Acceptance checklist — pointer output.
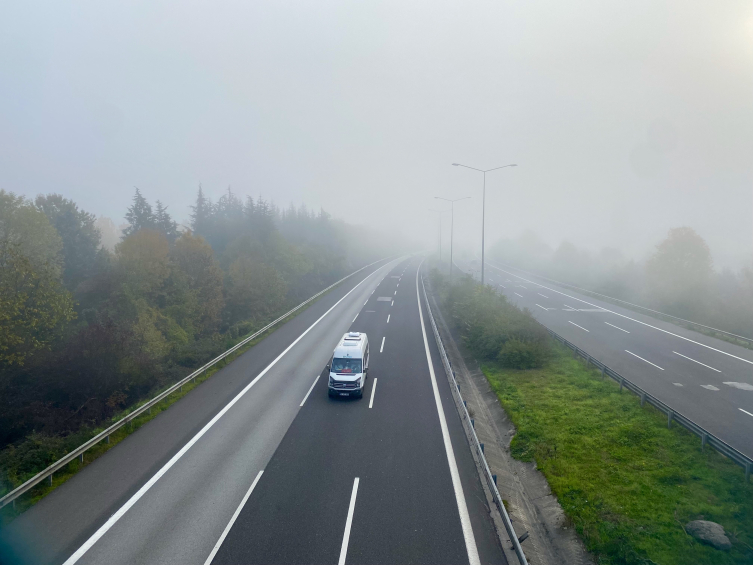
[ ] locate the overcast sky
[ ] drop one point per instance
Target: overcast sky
(625, 118)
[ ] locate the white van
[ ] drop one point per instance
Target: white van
(349, 365)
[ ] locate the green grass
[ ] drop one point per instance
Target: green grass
(627, 483)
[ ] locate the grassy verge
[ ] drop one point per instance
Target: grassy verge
(40, 451)
(627, 483)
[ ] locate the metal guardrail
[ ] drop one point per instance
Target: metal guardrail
(671, 318)
(707, 438)
(105, 435)
(473, 438)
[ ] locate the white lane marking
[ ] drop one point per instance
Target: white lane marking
(544, 295)
(382, 348)
(607, 323)
(521, 286)
(365, 303)
(518, 294)
(395, 292)
(388, 318)
(393, 302)
(634, 320)
(373, 390)
(540, 306)
(354, 319)
(694, 361)
(348, 524)
(709, 387)
(166, 467)
(741, 386)
(372, 292)
(677, 384)
(581, 327)
(398, 285)
(503, 286)
(232, 520)
(642, 359)
(748, 413)
(571, 308)
(309, 392)
(465, 520)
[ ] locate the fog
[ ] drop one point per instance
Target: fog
(626, 119)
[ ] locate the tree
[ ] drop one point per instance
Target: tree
(195, 260)
(201, 216)
(679, 272)
(139, 215)
(165, 224)
(79, 234)
(24, 225)
(33, 305)
(142, 260)
(255, 290)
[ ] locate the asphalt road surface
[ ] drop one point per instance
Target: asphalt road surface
(259, 465)
(707, 380)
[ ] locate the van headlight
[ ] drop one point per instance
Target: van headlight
(331, 381)
(358, 381)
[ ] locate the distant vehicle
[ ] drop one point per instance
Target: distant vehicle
(349, 366)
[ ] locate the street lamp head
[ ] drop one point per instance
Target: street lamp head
(455, 164)
(513, 165)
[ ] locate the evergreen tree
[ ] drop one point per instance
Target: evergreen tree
(164, 223)
(201, 216)
(139, 215)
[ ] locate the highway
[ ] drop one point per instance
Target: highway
(259, 465)
(707, 380)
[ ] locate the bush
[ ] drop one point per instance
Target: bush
(517, 354)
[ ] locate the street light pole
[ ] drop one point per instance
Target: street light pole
(483, 207)
(440, 212)
(452, 223)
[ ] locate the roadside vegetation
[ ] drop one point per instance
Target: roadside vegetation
(679, 278)
(89, 332)
(626, 482)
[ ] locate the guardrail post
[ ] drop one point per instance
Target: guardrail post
(465, 404)
(482, 447)
(81, 457)
(669, 418)
(473, 423)
(494, 478)
(107, 439)
(643, 398)
(747, 471)
(704, 438)
(150, 411)
(575, 352)
(622, 382)
(603, 370)
(49, 479)
(588, 359)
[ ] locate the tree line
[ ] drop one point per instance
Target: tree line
(85, 332)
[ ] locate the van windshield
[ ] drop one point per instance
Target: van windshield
(340, 365)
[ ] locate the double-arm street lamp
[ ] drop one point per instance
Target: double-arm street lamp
(452, 222)
(483, 206)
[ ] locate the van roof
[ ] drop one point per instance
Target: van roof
(352, 344)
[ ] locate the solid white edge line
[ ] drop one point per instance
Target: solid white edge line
(348, 523)
(619, 328)
(382, 348)
(581, 327)
(646, 360)
(312, 388)
(232, 520)
(748, 413)
(465, 520)
(388, 318)
(166, 467)
(632, 319)
(373, 389)
(694, 361)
